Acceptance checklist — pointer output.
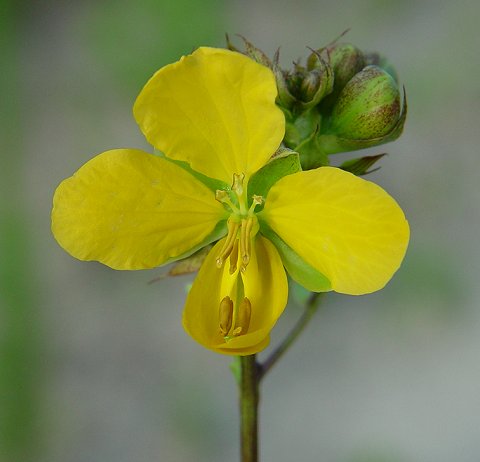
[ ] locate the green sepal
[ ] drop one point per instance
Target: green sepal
(210, 183)
(361, 165)
(299, 128)
(311, 153)
(285, 162)
(299, 270)
(255, 53)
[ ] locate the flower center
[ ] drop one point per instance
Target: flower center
(242, 225)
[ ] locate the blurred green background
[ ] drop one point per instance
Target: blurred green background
(94, 364)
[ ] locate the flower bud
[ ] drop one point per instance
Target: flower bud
(367, 113)
(345, 61)
(309, 87)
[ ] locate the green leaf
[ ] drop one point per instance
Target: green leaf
(361, 165)
(284, 163)
(300, 271)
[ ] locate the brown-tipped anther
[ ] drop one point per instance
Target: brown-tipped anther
(234, 258)
(244, 315)
(225, 315)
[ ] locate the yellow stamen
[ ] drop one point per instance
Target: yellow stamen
(228, 245)
(225, 315)
(223, 197)
(237, 185)
(257, 200)
(245, 242)
(244, 314)
(234, 258)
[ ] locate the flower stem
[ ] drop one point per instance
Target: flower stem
(310, 308)
(249, 397)
(251, 372)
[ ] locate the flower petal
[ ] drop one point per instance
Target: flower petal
(214, 109)
(347, 228)
(264, 283)
(132, 210)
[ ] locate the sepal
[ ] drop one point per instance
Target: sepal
(285, 162)
(300, 271)
(361, 165)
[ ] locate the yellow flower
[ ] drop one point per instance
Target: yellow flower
(214, 117)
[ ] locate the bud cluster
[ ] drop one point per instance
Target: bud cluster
(341, 100)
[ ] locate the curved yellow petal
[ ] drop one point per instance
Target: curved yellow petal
(132, 210)
(264, 283)
(347, 228)
(214, 109)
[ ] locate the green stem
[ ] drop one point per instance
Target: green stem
(249, 397)
(310, 309)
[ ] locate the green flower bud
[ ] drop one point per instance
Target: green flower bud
(367, 113)
(368, 106)
(308, 87)
(345, 60)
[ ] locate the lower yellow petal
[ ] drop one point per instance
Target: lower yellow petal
(132, 210)
(264, 283)
(347, 228)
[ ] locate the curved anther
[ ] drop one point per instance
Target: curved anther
(245, 241)
(234, 258)
(244, 314)
(225, 315)
(229, 243)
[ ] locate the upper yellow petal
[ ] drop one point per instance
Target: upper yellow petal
(347, 228)
(132, 210)
(264, 283)
(214, 109)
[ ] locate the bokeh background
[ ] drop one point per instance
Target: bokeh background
(94, 364)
